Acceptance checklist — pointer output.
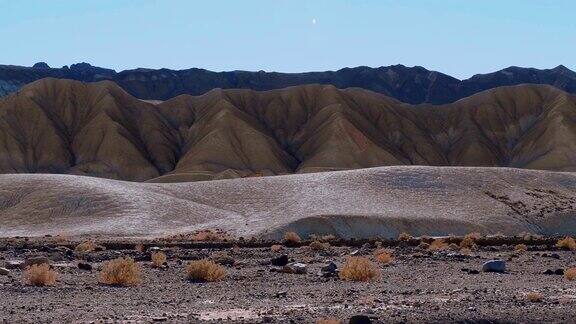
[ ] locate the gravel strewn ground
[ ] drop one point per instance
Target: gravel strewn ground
(417, 287)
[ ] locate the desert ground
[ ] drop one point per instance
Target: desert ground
(375, 202)
(418, 285)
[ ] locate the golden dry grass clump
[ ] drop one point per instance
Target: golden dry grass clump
(567, 243)
(404, 237)
(120, 272)
(40, 275)
(86, 246)
(158, 259)
(62, 238)
(359, 269)
(210, 236)
(205, 270)
(322, 238)
(319, 246)
(383, 256)
(534, 297)
(292, 238)
(423, 246)
(474, 236)
(438, 245)
(520, 248)
(570, 274)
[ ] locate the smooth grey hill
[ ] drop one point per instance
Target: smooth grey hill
(413, 85)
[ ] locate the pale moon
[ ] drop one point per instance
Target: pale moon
(313, 21)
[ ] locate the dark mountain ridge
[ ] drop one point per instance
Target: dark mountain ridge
(412, 85)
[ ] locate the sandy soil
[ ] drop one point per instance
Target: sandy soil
(381, 202)
(418, 286)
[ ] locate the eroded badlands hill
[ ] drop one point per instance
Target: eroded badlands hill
(97, 129)
(375, 202)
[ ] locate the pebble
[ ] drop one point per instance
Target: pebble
(296, 268)
(360, 319)
(224, 260)
(329, 270)
(280, 261)
(494, 266)
(85, 266)
(4, 272)
(35, 261)
(14, 264)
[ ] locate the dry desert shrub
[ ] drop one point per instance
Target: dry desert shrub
(453, 247)
(205, 270)
(383, 256)
(359, 269)
(423, 246)
(291, 238)
(210, 236)
(404, 237)
(322, 238)
(473, 236)
(468, 243)
(534, 297)
(567, 243)
(40, 275)
(438, 245)
(570, 274)
(158, 259)
(62, 238)
(328, 321)
(276, 248)
(520, 248)
(319, 246)
(86, 246)
(120, 272)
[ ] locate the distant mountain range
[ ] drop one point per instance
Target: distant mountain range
(412, 85)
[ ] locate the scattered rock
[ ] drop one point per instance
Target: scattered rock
(224, 259)
(154, 249)
(559, 272)
(360, 319)
(280, 261)
(555, 256)
(4, 272)
(329, 270)
(355, 252)
(35, 261)
(281, 294)
(494, 266)
(295, 268)
(330, 267)
(85, 266)
(14, 264)
(548, 272)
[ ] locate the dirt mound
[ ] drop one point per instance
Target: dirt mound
(97, 129)
(359, 203)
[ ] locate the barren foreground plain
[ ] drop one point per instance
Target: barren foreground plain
(442, 284)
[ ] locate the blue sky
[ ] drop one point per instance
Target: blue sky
(460, 38)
